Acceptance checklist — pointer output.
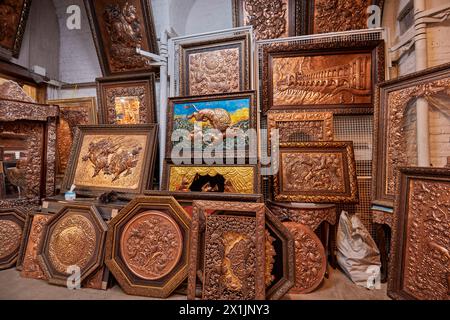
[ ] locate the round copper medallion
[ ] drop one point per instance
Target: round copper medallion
(310, 259)
(10, 237)
(151, 245)
(72, 243)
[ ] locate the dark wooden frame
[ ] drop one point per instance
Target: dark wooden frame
(187, 198)
(205, 98)
(149, 32)
(108, 88)
(400, 232)
(293, 49)
(20, 30)
(240, 41)
(130, 283)
(417, 83)
(17, 216)
(348, 158)
(149, 154)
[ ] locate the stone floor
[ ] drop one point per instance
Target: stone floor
(12, 286)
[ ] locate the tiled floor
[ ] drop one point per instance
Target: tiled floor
(12, 286)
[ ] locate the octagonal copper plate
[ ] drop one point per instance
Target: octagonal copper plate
(310, 258)
(151, 245)
(12, 222)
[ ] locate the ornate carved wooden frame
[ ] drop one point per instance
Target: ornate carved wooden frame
(202, 210)
(350, 185)
(242, 42)
(289, 48)
(392, 99)
(12, 223)
(145, 15)
(19, 29)
(131, 283)
(255, 180)
(78, 217)
(414, 227)
(140, 85)
(188, 197)
(205, 98)
(150, 130)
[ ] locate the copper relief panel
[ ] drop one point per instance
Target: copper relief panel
(13, 18)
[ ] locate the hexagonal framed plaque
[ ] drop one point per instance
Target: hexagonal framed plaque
(147, 246)
(73, 238)
(12, 222)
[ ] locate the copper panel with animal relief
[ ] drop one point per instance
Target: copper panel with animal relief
(316, 172)
(105, 158)
(419, 268)
(119, 28)
(12, 222)
(213, 67)
(13, 19)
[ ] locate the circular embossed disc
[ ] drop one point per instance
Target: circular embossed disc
(10, 236)
(310, 259)
(151, 245)
(72, 243)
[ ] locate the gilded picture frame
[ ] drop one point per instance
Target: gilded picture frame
(418, 265)
(102, 151)
(14, 16)
(215, 66)
(319, 172)
(127, 99)
(394, 99)
(293, 73)
(118, 28)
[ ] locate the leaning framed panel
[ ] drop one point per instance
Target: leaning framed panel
(395, 101)
(118, 28)
(127, 99)
(147, 246)
(218, 122)
(13, 19)
(73, 239)
(337, 75)
(320, 172)
(215, 66)
(419, 264)
(12, 223)
(234, 235)
(111, 157)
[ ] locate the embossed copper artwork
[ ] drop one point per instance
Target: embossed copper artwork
(74, 237)
(147, 246)
(105, 158)
(396, 97)
(213, 67)
(160, 240)
(30, 264)
(310, 258)
(12, 223)
(307, 76)
(316, 172)
(419, 266)
(204, 178)
(13, 19)
(127, 99)
(234, 261)
(118, 28)
(301, 126)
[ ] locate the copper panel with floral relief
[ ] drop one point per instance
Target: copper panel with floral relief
(12, 222)
(127, 99)
(147, 246)
(316, 172)
(73, 240)
(13, 19)
(118, 28)
(213, 67)
(419, 268)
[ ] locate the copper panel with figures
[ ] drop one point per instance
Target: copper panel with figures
(12, 222)
(419, 265)
(316, 172)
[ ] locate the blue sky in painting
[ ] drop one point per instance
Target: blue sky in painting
(229, 105)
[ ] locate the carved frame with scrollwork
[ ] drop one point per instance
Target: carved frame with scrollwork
(16, 217)
(349, 182)
(409, 231)
(140, 85)
(20, 25)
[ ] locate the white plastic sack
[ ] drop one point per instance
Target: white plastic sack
(357, 253)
